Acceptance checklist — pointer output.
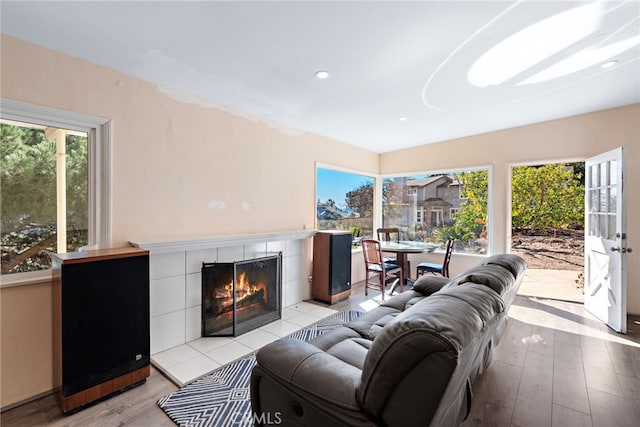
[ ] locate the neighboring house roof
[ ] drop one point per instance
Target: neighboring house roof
(424, 181)
(435, 201)
(448, 180)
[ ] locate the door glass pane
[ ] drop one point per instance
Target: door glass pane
(593, 225)
(593, 200)
(603, 174)
(613, 172)
(602, 225)
(593, 175)
(612, 199)
(603, 201)
(611, 231)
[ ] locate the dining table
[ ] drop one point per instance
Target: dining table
(402, 249)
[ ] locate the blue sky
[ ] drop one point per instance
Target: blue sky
(333, 184)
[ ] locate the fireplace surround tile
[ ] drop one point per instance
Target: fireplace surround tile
(256, 250)
(228, 352)
(193, 317)
(230, 254)
(167, 295)
(166, 265)
(256, 338)
(194, 289)
(170, 260)
(186, 371)
(167, 331)
(195, 258)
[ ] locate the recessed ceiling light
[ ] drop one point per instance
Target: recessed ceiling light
(403, 119)
(322, 75)
(609, 64)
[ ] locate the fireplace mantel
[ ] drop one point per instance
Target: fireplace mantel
(197, 243)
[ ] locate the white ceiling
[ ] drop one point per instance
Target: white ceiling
(386, 59)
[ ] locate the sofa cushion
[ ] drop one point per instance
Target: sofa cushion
(352, 351)
(511, 262)
(428, 284)
(370, 323)
(331, 338)
(484, 300)
(402, 301)
(496, 277)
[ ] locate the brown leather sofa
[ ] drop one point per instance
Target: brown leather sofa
(409, 362)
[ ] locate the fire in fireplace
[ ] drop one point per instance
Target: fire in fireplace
(240, 296)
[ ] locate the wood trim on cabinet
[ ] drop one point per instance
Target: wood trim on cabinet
(92, 394)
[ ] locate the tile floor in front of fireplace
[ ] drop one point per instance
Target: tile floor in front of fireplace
(190, 361)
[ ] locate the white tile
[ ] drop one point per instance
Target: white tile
(231, 254)
(207, 344)
(194, 289)
(322, 312)
(281, 328)
(279, 246)
(257, 250)
(293, 267)
(228, 352)
(295, 247)
(294, 292)
(166, 265)
(193, 323)
(288, 313)
(302, 307)
(256, 338)
(167, 331)
(166, 295)
(175, 355)
(194, 259)
(303, 319)
(193, 369)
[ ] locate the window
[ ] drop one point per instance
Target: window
(450, 205)
(344, 202)
(54, 188)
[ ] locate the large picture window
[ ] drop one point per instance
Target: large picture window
(438, 207)
(344, 201)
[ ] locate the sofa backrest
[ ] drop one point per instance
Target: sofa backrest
(431, 340)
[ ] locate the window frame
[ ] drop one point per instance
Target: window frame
(98, 131)
(377, 193)
(490, 195)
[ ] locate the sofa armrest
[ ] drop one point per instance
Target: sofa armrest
(305, 367)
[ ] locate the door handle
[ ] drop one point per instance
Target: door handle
(621, 250)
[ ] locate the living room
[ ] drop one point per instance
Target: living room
(174, 159)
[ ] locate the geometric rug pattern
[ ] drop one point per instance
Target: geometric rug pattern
(221, 398)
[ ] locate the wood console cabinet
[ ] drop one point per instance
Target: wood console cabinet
(331, 276)
(101, 341)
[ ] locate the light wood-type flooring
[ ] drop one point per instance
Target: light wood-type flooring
(555, 366)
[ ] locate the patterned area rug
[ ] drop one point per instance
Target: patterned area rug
(222, 397)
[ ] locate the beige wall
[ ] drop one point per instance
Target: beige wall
(170, 159)
(572, 138)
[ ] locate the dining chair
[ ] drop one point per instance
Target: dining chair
(390, 234)
(378, 273)
(434, 268)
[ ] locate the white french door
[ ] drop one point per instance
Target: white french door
(605, 292)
